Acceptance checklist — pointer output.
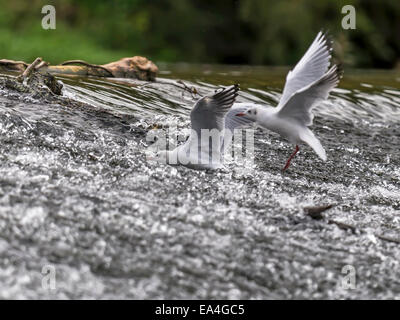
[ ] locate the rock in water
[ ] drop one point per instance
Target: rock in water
(41, 83)
(51, 82)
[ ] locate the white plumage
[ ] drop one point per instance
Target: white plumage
(307, 84)
(204, 147)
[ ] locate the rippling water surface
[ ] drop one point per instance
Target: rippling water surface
(77, 194)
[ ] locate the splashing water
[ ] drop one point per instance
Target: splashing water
(77, 193)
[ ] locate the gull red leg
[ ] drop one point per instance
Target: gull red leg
(291, 157)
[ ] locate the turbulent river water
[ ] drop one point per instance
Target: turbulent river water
(84, 214)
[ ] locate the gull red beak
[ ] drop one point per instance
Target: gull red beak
(241, 114)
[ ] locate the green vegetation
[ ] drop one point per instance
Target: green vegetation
(224, 31)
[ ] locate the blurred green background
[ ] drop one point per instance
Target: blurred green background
(257, 32)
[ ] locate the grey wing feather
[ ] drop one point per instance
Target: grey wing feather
(311, 67)
(209, 112)
(300, 104)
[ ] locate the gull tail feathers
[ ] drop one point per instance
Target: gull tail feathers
(308, 137)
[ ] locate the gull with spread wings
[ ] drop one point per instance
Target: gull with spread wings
(211, 122)
(306, 85)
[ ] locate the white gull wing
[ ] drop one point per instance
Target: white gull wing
(308, 137)
(309, 69)
(298, 107)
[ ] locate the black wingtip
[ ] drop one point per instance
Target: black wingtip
(228, 94)
(235, 86)
(339, 70)
(328, 39)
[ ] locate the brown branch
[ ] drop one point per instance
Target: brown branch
(192, 90)
(12, 62)
(28, 71)
(86, 64)
(42, 64)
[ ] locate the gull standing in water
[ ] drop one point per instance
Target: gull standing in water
(307, 84)
(204, 147)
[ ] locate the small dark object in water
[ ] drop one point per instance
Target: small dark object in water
(388, 239)
(343, 226)
(316, 212)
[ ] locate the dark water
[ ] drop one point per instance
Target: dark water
(77, 194)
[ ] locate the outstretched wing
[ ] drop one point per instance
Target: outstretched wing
(209, 112)
(298, 107)
(312, 66)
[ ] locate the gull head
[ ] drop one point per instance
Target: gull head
(162, 156)
(251, 113)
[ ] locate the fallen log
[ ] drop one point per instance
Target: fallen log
(135, 67)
